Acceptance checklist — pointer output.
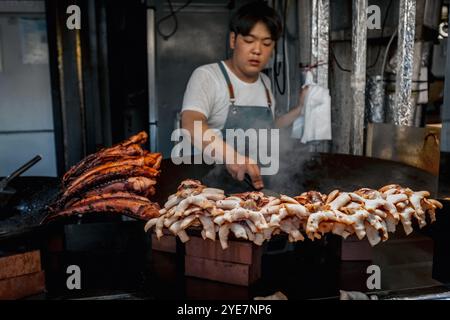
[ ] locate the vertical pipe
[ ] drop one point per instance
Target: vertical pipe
(304, 31)
(358, 76)
(54, 45)
(445, 118)
(444, 167)
(320, 45)
(80, 87)
(104, 75)
(404, 109)
(151, 58)
(320, 29)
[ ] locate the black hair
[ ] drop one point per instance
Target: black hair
(250, 14)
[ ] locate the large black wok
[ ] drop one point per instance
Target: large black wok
(303, 172)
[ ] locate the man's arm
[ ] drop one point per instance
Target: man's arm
(288, 118)
(237, 171)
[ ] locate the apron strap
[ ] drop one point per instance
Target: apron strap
(269, 100)
(231, 90)
(229, 85)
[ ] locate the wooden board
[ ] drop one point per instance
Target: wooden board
(238, 251)
(353, 249)
(240, 264)
(227, 272)
(167, 243)
(20, 264)
(22, 286)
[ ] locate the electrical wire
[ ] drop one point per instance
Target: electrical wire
(173, 13)
(382, 34)
(288, 80)
(379, 47)
(337, 62)
(383, 65)
(277, 71)
(275, 59)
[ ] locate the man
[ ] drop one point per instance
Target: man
(234, 94)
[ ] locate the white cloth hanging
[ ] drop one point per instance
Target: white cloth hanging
(314, 124)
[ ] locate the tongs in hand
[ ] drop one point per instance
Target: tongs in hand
(267, 192)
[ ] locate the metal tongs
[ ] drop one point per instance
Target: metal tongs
(6, 193)
(267, 192)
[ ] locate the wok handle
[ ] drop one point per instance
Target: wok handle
(23, 168)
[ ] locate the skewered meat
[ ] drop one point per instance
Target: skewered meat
(189, 187)
(255, 217)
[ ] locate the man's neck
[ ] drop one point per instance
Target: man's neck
(238, 73)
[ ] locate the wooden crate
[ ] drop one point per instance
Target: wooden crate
(167, 243)
(353, 249)
(22, 286)
(240, 264)
(21, 275)
(19, 264)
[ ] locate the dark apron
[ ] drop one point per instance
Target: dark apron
(247, 117)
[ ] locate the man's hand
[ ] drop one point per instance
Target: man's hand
(241, 165)
(238, 171)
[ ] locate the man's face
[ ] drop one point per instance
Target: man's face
(252, 52)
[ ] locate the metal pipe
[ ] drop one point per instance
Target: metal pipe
(320, 30)
(304, 11)
(151, 62)
(375, 99)
(104, 75)
(358, 76)
(81, 91)
(320, 47)
(404, 109)
(445, 133)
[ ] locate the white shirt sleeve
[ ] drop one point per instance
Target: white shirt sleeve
(200, 93)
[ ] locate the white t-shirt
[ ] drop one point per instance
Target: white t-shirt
(207, 93)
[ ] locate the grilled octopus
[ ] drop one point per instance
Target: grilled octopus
(129, 147)
(121, 202)
(137, 185)
(102, 177)
(118, 179)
